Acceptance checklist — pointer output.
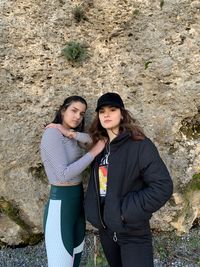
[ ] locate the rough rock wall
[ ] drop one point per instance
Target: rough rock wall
(148, 51)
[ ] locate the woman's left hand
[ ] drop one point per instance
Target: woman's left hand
(70, 133)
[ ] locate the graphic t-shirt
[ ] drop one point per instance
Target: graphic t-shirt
(103, 175)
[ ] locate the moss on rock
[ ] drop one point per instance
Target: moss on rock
(38, 172)
(191, 127)
(187, 192)
(10, 210)
(31, 238)
(194, 184)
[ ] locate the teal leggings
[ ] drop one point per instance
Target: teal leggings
(64, 226)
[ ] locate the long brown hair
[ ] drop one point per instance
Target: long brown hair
(127, 124)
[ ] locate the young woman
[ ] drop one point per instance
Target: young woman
(64, 221)
(128, 182)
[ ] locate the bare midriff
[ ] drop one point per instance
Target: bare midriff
(66, 184)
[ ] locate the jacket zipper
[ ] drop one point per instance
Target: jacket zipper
(114, 234)
(98, 200)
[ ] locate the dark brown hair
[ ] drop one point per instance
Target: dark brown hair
(127, 124)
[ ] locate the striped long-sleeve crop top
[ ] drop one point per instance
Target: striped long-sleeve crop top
(62, 158)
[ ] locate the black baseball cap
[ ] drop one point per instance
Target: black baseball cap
(109, 99)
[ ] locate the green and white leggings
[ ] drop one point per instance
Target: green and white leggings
(64, 226)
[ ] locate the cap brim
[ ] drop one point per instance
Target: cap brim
(108, 103)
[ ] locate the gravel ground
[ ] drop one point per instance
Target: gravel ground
(170, 251)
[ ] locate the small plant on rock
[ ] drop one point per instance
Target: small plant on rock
(146, 65)
(136, 12)
(161, 4)
(74, 51)
(79, 13)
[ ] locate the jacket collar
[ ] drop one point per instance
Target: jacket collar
(114, 144)
(119, 140)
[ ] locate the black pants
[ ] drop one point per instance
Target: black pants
(128, 250)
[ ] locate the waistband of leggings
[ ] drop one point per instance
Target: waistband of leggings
(66, 192)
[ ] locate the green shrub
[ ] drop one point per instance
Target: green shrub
(136, 12)
(161, 4)
(79, 14)
(74, 52)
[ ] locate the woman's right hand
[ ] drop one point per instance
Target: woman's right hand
(98, 147)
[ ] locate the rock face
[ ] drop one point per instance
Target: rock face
(148, 51)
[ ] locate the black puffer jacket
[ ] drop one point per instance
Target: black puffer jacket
(138, 185)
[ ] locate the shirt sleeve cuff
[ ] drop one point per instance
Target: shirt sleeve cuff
(90, 156)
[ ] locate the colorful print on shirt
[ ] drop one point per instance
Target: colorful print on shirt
(103, 175)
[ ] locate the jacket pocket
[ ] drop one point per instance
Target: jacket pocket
(132, 210)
